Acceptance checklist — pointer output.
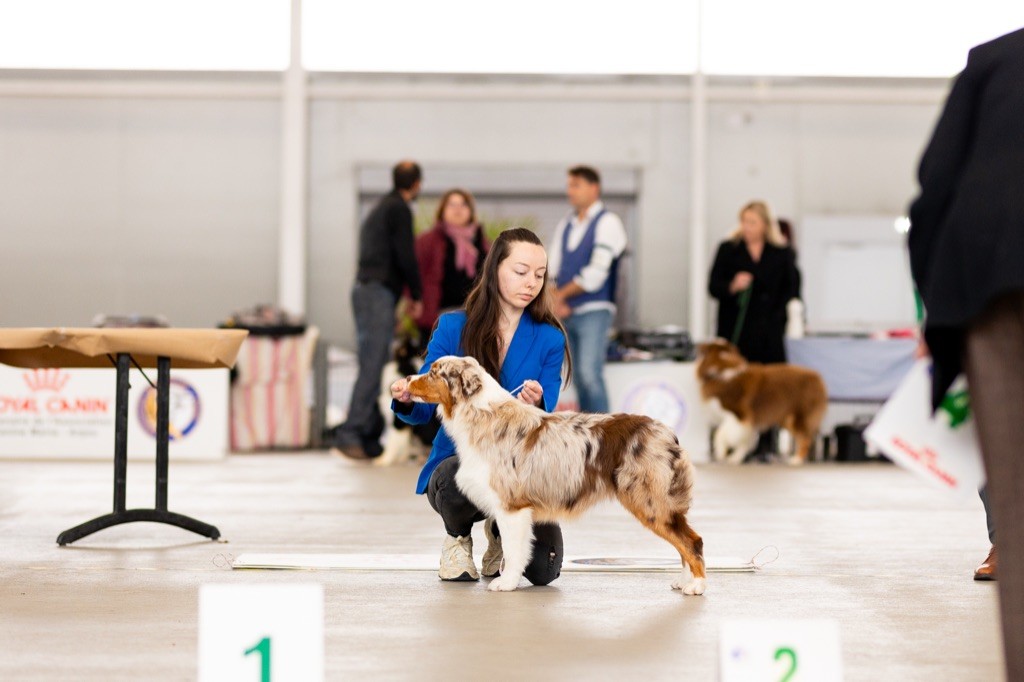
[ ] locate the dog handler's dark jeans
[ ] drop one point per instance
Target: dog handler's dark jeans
(459, 515)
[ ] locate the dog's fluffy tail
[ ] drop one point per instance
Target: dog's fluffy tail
(681, 489)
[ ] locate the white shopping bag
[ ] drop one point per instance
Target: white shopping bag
(942, 449)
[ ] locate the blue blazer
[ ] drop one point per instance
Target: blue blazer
(536, 352)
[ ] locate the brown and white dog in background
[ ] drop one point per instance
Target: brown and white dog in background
(519, 465)
(756, 397)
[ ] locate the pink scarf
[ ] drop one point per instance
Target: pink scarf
(466, 253)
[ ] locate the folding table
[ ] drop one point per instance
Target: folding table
(145, 348)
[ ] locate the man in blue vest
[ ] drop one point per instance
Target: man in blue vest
(585, 253)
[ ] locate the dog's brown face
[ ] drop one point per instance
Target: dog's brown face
(716, 358)
(450, 381)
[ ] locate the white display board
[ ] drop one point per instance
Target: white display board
(856, 273)
(69, 413)
(261, 633)
(667, 391)
(784, 650)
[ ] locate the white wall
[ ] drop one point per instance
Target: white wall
(650, 137)
(139, 204)
(136, 206)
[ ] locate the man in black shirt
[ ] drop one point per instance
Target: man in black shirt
(387, 265)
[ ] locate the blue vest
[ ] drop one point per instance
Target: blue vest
(574, 261)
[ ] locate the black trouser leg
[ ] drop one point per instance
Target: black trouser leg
(546, 562)
(983, 493)
(374, 307)
(457, 512)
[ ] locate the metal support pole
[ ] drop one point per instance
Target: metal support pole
(292, 260)
(163, 408)
(121, 432)
(698, 316)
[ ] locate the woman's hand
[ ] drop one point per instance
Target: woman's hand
(532, 392)
(741, 282)
(400, 390)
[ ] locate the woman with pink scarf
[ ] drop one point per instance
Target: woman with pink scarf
(450, 256)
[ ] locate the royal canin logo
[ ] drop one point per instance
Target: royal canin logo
(41, 381)
(46, 379)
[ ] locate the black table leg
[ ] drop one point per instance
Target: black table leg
(159, 514)
(163, 408)
(121, 432)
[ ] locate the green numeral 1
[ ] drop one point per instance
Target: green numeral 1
(263, 647)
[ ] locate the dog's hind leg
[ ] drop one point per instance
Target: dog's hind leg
(516, 545)
(691, 551)
(804, 440)
(804, 430)
(687, 542)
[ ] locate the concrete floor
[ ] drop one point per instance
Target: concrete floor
(868, 545)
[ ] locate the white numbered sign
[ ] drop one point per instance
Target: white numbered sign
(262, 633)
(780, 651)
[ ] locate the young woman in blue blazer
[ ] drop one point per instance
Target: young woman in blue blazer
(508, 325)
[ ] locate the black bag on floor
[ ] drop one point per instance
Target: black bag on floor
(850, 444)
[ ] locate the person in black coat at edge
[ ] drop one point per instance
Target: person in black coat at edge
(967, 258)
(753, 277)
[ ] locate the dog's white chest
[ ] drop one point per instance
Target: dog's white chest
(474, 480)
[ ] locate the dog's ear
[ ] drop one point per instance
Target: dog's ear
(733, 358)
(471, 383)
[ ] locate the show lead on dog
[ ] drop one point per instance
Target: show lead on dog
(387, 265)
(585, 253)
(510, 328)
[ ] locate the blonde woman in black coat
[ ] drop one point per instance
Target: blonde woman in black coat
(753, 278)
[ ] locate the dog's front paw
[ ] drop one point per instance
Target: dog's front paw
(692, 587)
(794, 461)
(504, 583)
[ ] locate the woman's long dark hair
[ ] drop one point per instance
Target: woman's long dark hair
(480, 335)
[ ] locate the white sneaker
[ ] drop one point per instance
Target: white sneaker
(457, 560)
(491, 566)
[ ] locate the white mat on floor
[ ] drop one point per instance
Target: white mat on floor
(429, 562)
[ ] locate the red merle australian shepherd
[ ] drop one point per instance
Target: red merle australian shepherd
(521, 465)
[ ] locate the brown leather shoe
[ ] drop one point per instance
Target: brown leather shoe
(987, 571)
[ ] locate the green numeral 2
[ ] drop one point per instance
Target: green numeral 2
(263, 647)
(786, 651)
